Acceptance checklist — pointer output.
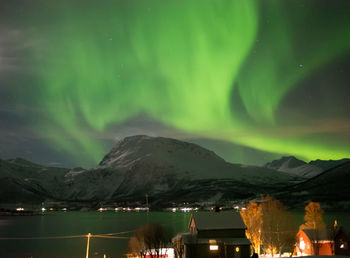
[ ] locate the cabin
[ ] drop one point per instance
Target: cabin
(342, 242)
(213, 235)
(314, 242)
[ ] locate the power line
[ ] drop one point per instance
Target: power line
(107, 235)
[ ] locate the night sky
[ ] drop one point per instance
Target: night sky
(251, 80)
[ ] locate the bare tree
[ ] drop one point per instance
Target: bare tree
(137, 247)
(332, 230)
(253, 219)
(289, 230)
(278, 228)
(178, 248)
(148, 239)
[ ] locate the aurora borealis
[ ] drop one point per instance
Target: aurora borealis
(269, 75)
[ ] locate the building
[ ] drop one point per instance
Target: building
(163, 253)
(314, 242)
(213, 235)
(342, 242)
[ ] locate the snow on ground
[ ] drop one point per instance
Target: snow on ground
(314, 256)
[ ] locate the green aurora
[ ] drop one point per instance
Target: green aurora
(184, 63)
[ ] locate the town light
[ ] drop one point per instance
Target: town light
(237, 249)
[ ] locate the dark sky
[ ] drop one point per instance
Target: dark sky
(251, 80)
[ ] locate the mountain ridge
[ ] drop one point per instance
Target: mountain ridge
(168, 170)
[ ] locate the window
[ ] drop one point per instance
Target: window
(301, 244)
(343, 244)
(213, 247)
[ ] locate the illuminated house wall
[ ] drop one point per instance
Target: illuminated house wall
(308, 240)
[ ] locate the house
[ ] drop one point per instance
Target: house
(163, 253)
(213, 235)
(314, 242)
(342, 242)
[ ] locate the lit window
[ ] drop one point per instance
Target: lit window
(343, 244)
(237, 249)
(302, 244)
(213, 247)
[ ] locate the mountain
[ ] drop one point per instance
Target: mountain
(331, 187)
(327, 164)
(298, 167)
(294, 166)
(24, 181)
(168, 170)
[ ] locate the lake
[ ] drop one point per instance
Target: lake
(72, 223)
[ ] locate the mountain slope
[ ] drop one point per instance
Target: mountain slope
(330, 187)
(167, 170)
(294, 166)
(327, 164)
(23, 181)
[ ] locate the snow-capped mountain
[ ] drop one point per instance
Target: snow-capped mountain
(140, 165)
(24, 181)
(294, 166)
(167, 170)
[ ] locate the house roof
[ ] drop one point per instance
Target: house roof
(217, 220)
(317, 235)
(193, 239)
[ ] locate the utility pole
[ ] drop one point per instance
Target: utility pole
(147, 203)
(88, 245)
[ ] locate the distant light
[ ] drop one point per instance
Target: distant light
(237, 249)
(20, 209)
(51, 209)
(116, 209)
(236, 207)
(64, 209)
(43, 209)
(102, 209)
(342, 246)
(173, 209)
(244, 208)
(213, 247)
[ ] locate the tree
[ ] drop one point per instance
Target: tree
(178, 246)
(252, 217)
(332, 230)
(148, 239)
(288, 233)
(137, 247)
(313, 216)
(278, 229)
(314, 220)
